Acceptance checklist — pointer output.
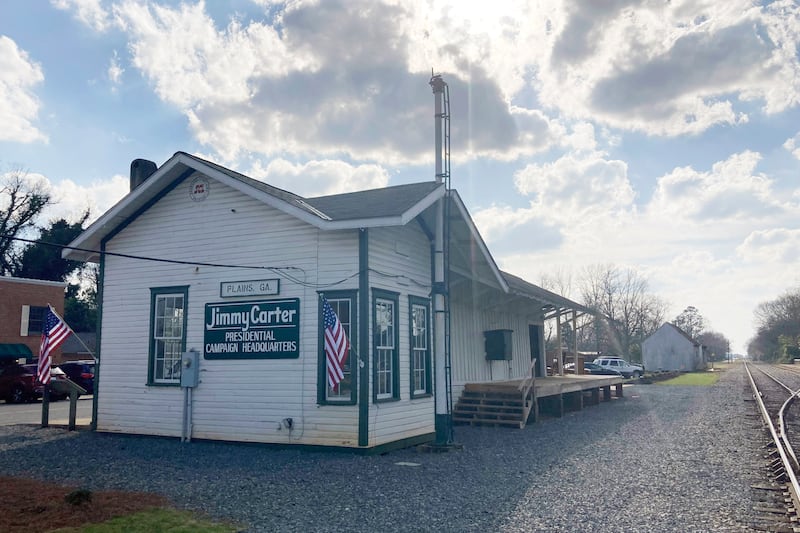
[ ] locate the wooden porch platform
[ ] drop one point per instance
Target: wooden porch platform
(501, 403)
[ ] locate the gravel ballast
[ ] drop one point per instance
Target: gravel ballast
(663, 458)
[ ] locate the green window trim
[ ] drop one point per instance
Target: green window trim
(385, 346)
(352, 325)
(419, 347)
(156, 293)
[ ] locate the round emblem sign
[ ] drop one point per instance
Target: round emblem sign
(199, 189)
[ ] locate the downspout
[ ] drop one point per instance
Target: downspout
(364, 348)
(98, 334)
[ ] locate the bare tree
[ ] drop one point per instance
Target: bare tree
(630, 313)
(690, 321)
(21, 202)
(558, 281)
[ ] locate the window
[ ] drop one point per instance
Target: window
(343, 304)
(167, 334)
(386, 364)
(36, 320)
(420, 346)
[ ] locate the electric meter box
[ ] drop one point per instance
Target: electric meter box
(497, 343)
(190, 369)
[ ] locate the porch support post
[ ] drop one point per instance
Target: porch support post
(575, 341)
(558, 343)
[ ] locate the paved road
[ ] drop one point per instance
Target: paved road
(31, 413)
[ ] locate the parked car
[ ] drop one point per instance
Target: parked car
(81, 373)
(59, 383)
(592, 368)
(18, 383)
(629, 370)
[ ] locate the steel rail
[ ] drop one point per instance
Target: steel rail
(781, 419)
(779, 443)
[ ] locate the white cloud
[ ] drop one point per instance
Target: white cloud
(320, 178)
(731, 190)
(337, 78)
(493, 221)
(89, 12)
(320, 80)
(326, 79)
(115, 71)
(776, 245)
(668, 68)
(791, 145)
(19, 106)
(577, 189)
(71, 199)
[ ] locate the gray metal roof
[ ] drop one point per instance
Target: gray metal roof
(386, 202)
(286, 196)
(679, 330)
(521, 287)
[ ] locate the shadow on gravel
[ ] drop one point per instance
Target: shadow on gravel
(490, 485)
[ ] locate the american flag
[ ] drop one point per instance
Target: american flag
(336, 344)
(54, 332)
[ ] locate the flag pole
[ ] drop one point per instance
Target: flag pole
(77, 337)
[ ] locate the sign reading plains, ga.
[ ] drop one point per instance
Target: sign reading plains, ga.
(269, 329)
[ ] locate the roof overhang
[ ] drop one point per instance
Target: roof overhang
(552, 304)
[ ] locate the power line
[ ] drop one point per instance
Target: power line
(280, 271)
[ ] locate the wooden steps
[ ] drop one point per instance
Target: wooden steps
(484, 406)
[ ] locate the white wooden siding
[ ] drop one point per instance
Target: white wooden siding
(398, 255)
(241, 400)
(668, 349)
(475, 309)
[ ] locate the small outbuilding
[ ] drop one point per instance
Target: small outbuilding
(670, 348)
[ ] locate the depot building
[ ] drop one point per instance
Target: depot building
(199, 259)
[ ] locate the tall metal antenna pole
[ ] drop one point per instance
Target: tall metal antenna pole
(443, 419)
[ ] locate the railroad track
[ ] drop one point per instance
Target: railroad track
(775, 392)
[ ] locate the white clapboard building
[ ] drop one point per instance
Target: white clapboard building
(200, 259)
(670, 348)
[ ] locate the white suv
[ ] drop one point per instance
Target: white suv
(629, 370)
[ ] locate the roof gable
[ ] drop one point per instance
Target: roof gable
(353, 210)
(670, 327)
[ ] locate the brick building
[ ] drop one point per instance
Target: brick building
(22, 306)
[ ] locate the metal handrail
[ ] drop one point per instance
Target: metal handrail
(525, 387)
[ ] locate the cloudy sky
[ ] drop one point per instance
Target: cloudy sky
(660, 135)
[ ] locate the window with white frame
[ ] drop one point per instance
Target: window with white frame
(167, 334)
(419, 342)
(386, 359)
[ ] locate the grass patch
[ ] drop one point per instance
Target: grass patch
(163, 520)
(702, 379)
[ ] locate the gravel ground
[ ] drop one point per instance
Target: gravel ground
(662, 458)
